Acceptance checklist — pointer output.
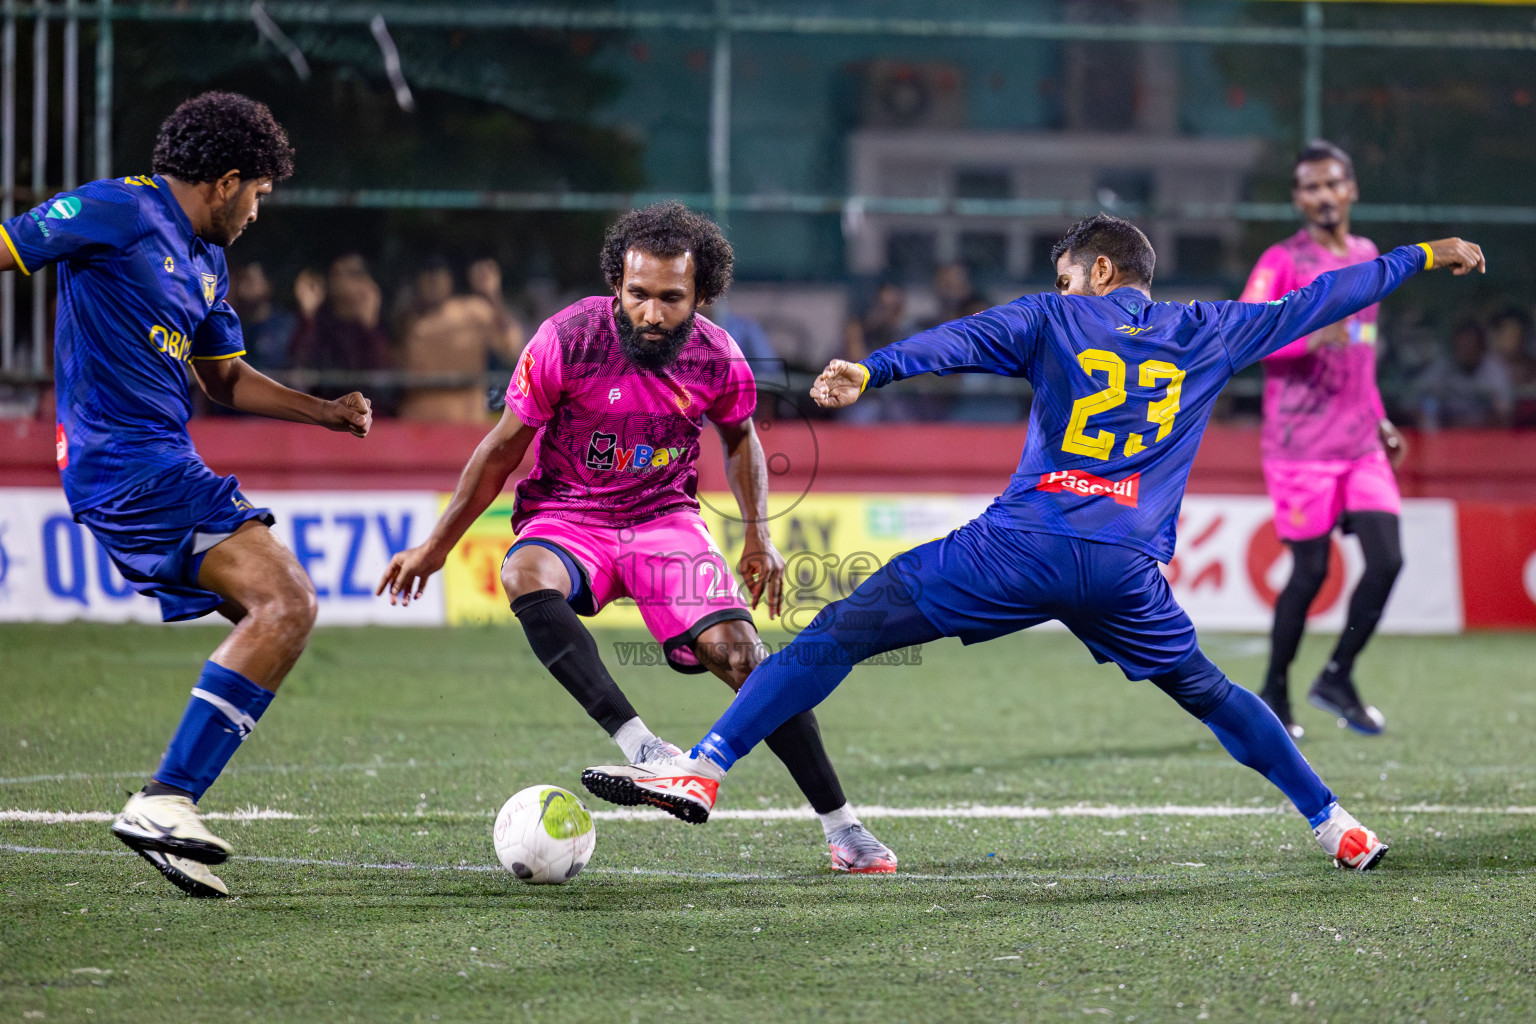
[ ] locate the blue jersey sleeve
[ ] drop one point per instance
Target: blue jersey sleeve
(1252, 330)
(999, 340)
(219, 336)
(101, 216)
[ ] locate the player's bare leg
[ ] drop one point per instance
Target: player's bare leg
(538, 584)
(268, 596)
(731, 650)
(272, 603)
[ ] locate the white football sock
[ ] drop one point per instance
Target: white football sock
(704, 766)
(1331, 832)
(838, 819)
(633, 735)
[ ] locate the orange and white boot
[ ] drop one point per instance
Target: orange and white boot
(1349, 843)
(683, 786)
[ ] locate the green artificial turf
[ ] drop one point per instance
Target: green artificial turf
(395, 747)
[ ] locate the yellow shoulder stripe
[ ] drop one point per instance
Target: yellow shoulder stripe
(227, 355)
(16, 255)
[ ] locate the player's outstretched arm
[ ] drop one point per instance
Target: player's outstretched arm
(840, 384)
(761, 566)
(1251, 331)
(495, 458)
(239, 385)
(999, 340)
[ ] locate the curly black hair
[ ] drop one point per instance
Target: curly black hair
(217, 132)
(671, 229)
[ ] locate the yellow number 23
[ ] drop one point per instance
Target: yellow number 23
(1160, 413)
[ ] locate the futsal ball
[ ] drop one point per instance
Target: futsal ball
(544, 835)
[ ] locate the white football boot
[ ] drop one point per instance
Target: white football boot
(1349, 843)
(170, 825)
(854, 849)
(189, 876)
(683, 786)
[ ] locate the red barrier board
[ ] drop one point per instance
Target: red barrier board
(1498, 564)
(831, 457)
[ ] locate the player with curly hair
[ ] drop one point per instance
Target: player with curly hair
(141, 293)
(612, 394)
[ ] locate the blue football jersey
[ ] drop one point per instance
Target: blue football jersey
(1123, 389)
(140, 297)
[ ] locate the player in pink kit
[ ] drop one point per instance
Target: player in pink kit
(613, 393)
(1328, 447)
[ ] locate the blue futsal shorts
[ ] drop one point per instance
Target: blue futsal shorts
(158, 532)
(987, 579)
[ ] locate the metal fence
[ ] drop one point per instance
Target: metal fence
(719, 24)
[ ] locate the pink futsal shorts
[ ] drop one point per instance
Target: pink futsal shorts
(671, 566)
(1311, 494)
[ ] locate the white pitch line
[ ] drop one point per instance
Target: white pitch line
(73, 817)
(252, 769)
(978, 813)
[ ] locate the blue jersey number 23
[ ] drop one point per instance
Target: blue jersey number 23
(1160, 413)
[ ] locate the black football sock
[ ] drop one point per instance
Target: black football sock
(798, 744)
(1381, 541)
(154, 788)
(1309, 569)
(566, 647)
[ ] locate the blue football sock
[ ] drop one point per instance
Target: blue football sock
(222, 712)
(785, 684)
(1254, 736)
(879, 616)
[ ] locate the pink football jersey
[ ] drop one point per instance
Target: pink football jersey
(619, 443)
(1323, 404)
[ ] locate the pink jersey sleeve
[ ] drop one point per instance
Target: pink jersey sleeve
(1272, 278)
(535, 388)
(738, 398)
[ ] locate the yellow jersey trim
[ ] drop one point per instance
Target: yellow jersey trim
(14, 254)
(866, 377)
(230, 355)
(1429, 256)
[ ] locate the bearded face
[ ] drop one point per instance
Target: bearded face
(654, 347)
(229, 219)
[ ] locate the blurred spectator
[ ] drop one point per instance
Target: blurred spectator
(753, 341)
(1468, 388)
(444, 333)
(981, 397)
(1407, 343)
(268, 329)
(880, 322)
(339, 322)
(955, 294)
(1509, 338)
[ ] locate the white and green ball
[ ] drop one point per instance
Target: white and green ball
(544, 835)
